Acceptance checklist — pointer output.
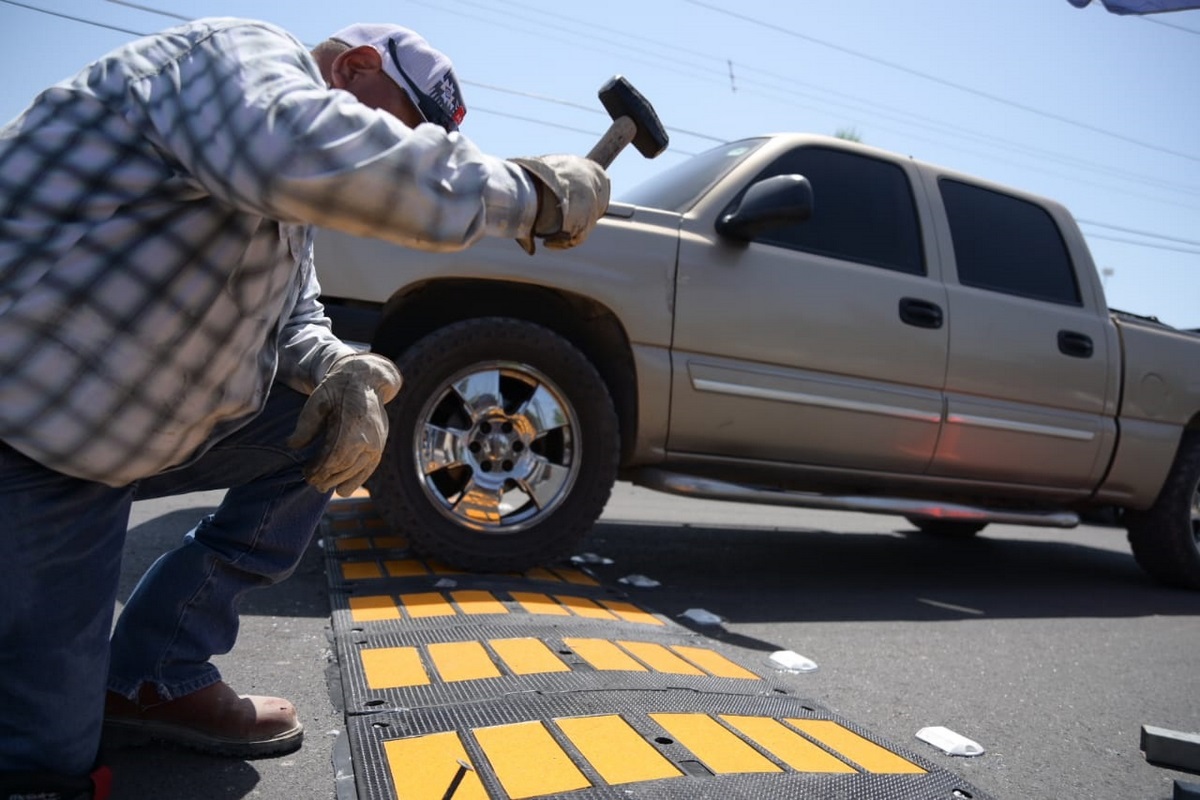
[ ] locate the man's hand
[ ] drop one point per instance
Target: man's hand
(572, 195)
(347, 410)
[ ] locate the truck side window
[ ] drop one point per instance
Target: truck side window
(863, 210)
(1007, 244)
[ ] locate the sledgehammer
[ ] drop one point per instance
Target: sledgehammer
(634, 121)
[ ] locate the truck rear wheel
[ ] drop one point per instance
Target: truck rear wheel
(503, 446)
(1165, 538)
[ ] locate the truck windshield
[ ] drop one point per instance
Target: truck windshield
(680, 186)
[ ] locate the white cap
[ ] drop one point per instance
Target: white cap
(424, 73)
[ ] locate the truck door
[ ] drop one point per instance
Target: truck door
(821, 343)
(1031, 381)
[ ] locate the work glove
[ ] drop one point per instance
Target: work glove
(572, 195)
(347, 410)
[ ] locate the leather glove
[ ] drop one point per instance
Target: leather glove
(572, 195)
(347, 410)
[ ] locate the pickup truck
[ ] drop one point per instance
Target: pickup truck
(788, 319)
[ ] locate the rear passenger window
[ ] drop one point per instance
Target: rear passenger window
(863, 210)
(1007, 244)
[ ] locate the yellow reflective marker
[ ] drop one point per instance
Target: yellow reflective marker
(427, 604)
(527, 656)
(360, 570)
(785, 744)
(440, 568)
(660, 658)
(719, 748)
(405, 568)
(861, 751)
(527, 760)
(604, 655)
(423, 767)
(462, 661)
(542, 574)
(389, 542)
(631, 613)
(616, 750)
(478, 602)
(392, 667)
(575, 576)
(713, 662)
(373, 608)
(583, 607)
(353, 543)
(536, 603)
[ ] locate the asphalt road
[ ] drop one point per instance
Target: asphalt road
(1049, 648)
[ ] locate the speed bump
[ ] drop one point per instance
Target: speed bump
(550, 684)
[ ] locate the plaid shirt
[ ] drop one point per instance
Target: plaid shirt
(156, 270)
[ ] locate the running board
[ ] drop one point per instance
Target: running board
(709, 489)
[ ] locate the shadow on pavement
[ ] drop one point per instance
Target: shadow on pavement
(756, 575)
(304, 594)
(281, 650)
(159, 772)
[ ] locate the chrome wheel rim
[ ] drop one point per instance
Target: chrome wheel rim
(497, 447)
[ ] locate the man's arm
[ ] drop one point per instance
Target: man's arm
(248, 115)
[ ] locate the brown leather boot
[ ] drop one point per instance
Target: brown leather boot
(214, 719)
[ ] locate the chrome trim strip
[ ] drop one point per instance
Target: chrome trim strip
(801, 398)
(694, 486)
(1021, 427)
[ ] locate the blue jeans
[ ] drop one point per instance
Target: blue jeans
(61, 540)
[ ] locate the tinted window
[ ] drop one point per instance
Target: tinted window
(862, 210)
(1007, 244)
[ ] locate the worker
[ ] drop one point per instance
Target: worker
(160, 333)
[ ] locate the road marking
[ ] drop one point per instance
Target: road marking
(604, 655)
(616, 751)
(858, 749)
(423, 767)
(536, 603)
(528, 656)
(790, 747)
(660, 658)
(421, 605)
(393, 667)
(353, 570)
(528, 761)
(399, 667)
(713, 662)
(716, 746)
(462, 661)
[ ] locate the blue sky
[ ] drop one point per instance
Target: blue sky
(1098, 111)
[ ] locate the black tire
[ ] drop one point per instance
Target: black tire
(1165, 538)
(948, 528)
(539, 452)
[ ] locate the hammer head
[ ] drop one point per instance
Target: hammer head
(620, 99)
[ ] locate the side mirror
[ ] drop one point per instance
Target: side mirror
(771, 203)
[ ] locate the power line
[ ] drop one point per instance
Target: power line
(73, 19)
(545, 98)
(953, 85)
(1138, 232)
(1144, 244)
(158, 11)
(861, 105)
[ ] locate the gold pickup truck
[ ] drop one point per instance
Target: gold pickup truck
(788, 319)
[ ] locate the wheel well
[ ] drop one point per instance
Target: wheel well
(590, 326)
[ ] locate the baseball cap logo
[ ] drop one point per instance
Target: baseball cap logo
(447, 95)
